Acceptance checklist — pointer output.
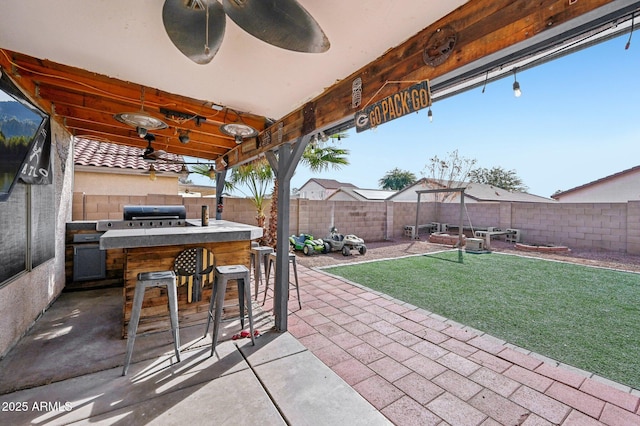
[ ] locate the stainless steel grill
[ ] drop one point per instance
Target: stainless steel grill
(147, 217)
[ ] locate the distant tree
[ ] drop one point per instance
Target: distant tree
(450, 172)
(397, 179)
(498, 177)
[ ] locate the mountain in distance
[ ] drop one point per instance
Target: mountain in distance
(17, 120)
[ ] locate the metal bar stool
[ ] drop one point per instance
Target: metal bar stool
(223, 274)
(147, 280)
(292, 261)
(259, 253)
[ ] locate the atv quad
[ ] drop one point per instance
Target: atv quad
(345, 243)
(308, 244)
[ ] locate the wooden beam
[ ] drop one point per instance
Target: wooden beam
(482, 27)
(79, 80)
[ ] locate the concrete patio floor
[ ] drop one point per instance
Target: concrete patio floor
(351, 356)
(67, 370)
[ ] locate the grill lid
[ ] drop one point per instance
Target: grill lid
(154, 212)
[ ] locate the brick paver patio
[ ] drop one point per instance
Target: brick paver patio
(418, 368)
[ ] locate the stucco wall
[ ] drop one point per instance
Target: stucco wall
(23, 299)
(615, 189)
(125, 184)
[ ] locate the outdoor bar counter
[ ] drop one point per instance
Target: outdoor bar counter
(156, 249)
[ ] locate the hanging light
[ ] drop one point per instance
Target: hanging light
(212, 172)
(516, 86)
(323, 137)
(140, 119)
(626, 47)
(239, 131)
(184, 137)
(184, 172)
(152, 172)
(430, 115)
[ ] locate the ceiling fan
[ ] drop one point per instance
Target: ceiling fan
(149, 153)
(196, 27)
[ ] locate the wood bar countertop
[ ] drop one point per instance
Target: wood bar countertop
(155, 249)
(194, 233)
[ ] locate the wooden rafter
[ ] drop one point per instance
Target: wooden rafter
(85, 103)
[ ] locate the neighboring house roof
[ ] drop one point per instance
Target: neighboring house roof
(476, 191)
(596, 182)
(362, 194)
(329, 183)
(89, 152)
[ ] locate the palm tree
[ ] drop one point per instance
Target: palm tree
(318, 159)
(257, 177)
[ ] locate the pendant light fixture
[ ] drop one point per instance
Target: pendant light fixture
(140, 120)
(152, 173)
(184, 172)
(239, 131)
(516, 86)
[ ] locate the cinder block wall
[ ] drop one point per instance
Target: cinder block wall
(475, 215)
(633, 227)
(583, 225)
(367, 220)
(405, 214)
(596, 226)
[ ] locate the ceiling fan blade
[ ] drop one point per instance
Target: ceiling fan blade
(282, 23)
(188, 27)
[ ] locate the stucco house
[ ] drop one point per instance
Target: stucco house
(128, 173)
(474, 193)
(321, 189)
(616, 188)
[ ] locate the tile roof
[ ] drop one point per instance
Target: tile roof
(89, 152)
(364, 194)
(477, 191)
(330, 183)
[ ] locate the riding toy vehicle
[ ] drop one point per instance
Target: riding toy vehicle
(345, 243)
(308, 244)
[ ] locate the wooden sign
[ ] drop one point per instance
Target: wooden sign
(394, 106)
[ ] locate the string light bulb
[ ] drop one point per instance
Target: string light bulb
(516, 86)
(152, 173)
(184, 172)
(212, 172)
(430, 115)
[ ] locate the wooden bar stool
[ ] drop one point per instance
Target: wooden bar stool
(258, 254)
(292, 261)
(148, 280)
(223, 274)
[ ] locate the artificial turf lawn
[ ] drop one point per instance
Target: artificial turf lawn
(582, 316)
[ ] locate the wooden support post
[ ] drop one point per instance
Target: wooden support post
(284, 166)
(461, 232)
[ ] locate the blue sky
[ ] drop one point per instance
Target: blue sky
(578, 120)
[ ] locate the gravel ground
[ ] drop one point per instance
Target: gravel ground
(406, 247)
